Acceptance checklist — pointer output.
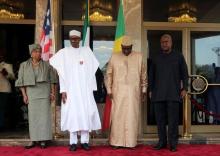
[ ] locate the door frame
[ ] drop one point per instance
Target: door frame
(186, 29)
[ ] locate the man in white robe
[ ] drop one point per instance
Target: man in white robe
(76, 67)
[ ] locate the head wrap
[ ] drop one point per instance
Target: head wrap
(34, 47)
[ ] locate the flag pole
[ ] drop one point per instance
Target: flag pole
(56, 135)
(88, 9)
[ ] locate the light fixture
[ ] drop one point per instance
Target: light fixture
(182, 12)
(10, 9)
(100, 11)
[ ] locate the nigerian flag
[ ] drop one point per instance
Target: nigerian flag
(120, 29)
(86, 28)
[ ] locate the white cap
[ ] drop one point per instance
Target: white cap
(75, 33)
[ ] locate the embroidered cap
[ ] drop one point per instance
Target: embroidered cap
(126, 41)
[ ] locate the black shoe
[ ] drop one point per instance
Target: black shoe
(31, 145)
(85, 146)
(159, 146)
(73, 147)
(116, 147)
(43, 145)
(173, 148)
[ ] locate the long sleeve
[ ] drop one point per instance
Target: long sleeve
(151, 77)
(144, 77)
(184, 73)
(62, 85)
(53, 75)
(9, 69)
(57, 63)
(109, 77)
(94, 67)
(20, 81)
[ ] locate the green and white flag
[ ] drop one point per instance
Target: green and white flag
(86, 27)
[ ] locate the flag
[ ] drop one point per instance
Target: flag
(46, 35)
(107, 114)
(86, 27)
(120, 29)
(120, 32)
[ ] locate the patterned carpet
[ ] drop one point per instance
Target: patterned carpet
(141, 150)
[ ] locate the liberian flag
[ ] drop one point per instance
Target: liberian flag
(120, 29)
(46, 35)
(86, 27)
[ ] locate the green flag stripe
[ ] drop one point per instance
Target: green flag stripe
(86, 23)
(120, 31)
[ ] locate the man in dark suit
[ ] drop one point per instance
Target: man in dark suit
(168, 80)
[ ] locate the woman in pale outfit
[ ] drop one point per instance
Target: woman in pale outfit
(36, 80)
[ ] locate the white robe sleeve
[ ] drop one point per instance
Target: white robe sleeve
(94, 67)
(62, 85)
(57, 61)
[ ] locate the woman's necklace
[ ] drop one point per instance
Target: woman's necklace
(35, 63)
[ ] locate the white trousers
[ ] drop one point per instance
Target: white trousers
(84, 137)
